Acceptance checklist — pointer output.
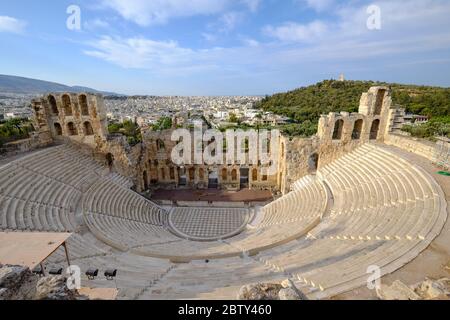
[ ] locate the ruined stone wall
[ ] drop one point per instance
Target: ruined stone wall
(80, 117)
(158, 168)
(340, 133)
(300, 159)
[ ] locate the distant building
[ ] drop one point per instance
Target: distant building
(341, 77)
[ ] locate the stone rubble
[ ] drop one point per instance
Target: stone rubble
(19, 283)
(426, 290)
(270, 291)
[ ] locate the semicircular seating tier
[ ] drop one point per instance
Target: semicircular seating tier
(128, 222)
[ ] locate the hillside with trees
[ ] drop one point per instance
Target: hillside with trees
(306, 104)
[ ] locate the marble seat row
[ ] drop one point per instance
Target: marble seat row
(40, 192)
(109, 198)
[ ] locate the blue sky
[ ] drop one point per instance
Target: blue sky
(224, 47)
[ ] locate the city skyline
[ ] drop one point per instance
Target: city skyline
(225, 47)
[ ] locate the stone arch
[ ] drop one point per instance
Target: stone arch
(160, 145)
(338, 129)
(234, 175)
(357, 129)
(145, 179)
(72, 129)
(379, 102)
(374, 130)
(153, 175)
(109, 159)
(191, 174)
(255, 174)
(58, 129)
(182, 176)
(88, 130)
(213, 179)
(163, 173)
(224, 174)
(201, 174)
(82, 100)
(53, 105)
(313, 162)
(172, 173)
(67, 105)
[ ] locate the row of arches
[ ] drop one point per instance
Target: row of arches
(67, 105)
(357, 129)
(72, 129)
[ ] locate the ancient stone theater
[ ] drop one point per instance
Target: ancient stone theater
(358, 199)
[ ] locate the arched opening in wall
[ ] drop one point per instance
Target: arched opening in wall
(72, 129)
(82, 100)
(67, 105)
(109, 160)
(224, 146)
(211, 144)
(213, 180)
(191, 174)
(234, 175)
(245, 172)
(264, 177)
(338, 128)
(163, 174)
(172, 173)
(224, 174)
(379, 102)
(58, 129)
(53, 106)
(201, 174)
(357, 129)
(153, 175)
(145, 178)
(182, 181)
(375, 129)
(246, 145)
(88, 130)
(160, 146)
(255, 174)
(313, 163)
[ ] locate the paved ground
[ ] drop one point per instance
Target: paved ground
(208, 223)
(434, 262)
(245, 195)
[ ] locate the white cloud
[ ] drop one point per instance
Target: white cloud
(294, 32)
(253, 5)
(410, 29)
(9, 24)
(145, 12)
(96, 24)
(139, 52)
(318, 5)
(209, 37)
(229, 21)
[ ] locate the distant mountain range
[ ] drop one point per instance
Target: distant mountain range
(13, 84)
